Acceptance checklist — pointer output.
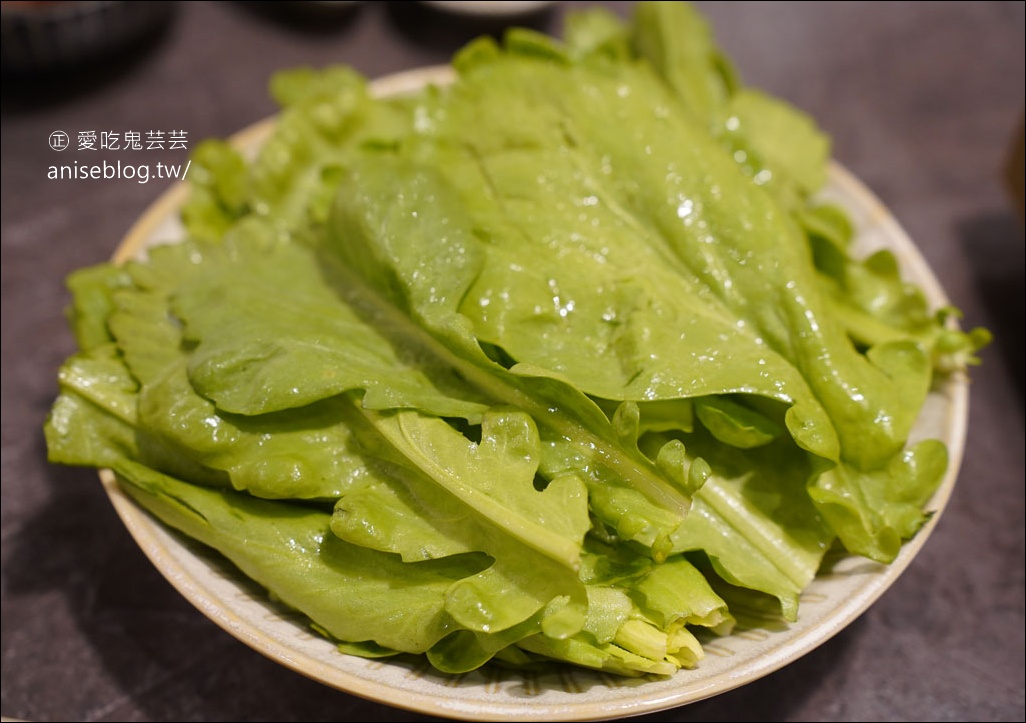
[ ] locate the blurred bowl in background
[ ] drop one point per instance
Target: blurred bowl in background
(490, 9)
(43, 37)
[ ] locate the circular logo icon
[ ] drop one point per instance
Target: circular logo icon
(59, 140)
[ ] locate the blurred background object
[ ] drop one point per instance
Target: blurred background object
(492, 9)
(1016, 170)
(45, 37)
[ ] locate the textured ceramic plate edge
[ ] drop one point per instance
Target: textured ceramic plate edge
(829, 604)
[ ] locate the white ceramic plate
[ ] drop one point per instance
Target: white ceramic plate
(829, 604)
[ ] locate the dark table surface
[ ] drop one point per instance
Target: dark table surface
(922, 101)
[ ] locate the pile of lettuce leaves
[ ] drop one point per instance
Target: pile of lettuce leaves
(561, 360)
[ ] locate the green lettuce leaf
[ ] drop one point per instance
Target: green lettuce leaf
(353, 593)
(419, 285)
(92, 421)
(748, 276)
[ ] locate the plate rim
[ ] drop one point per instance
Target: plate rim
(144, 528)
